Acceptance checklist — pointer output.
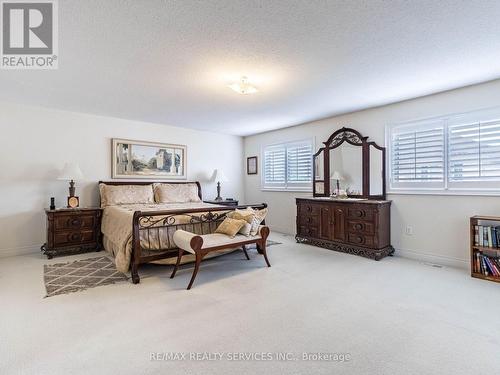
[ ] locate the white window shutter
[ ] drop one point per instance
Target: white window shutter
(418, 156)
(288, 166)
(275, 165)
(474, 152)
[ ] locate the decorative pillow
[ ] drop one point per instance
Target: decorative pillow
(112, 195)
(245, 229)
(230, 226)
(176, 193)
(259, 216)
(247, 215)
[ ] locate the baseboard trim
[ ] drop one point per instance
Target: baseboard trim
(432, 258)
(15, 251)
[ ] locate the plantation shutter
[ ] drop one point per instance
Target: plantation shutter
(288, 166)
(418, 156)
(299, 163)
(474, 152)
(275, 166)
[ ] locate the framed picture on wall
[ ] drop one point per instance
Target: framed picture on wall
(138, 159)
(252, 165)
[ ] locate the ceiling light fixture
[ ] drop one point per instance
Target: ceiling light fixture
(243, 87)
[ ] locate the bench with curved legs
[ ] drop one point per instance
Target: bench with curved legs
(201, 245)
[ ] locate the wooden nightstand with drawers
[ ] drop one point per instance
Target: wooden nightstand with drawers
(72, 231)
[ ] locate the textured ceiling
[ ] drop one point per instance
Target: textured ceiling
(169, 62)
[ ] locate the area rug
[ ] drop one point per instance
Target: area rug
(268, 243)
(63, 278)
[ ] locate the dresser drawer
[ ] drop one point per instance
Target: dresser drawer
(309, 220)
(358, 226)
(73, 237)
(308, 231)
(74, 222)
(360, 239)
(309, 209)
(360, 213)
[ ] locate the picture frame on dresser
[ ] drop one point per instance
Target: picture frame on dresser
(148, 160)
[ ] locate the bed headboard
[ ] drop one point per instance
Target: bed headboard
(153, 182)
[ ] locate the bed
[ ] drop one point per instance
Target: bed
(137, 228)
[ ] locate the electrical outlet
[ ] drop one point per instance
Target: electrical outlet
(409, 230)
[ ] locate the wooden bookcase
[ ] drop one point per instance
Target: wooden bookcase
(480, 220)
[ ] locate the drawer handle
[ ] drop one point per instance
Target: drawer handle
(309, 219)
(309, 208)
(74, 222)
(76, 237)
(358, 226)
(359, 213)
(359, 239)
(308, 230)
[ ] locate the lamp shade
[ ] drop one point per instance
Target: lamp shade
(71, 171)
(336, 176)
(219, 176)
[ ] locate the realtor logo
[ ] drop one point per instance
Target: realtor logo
(29, 34)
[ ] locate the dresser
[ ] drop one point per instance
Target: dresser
(71, 231)
(360, 227)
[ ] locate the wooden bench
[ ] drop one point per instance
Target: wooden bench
(201, 245)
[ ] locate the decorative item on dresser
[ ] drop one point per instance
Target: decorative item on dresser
(227, 202)
(359, 223)
(71, 231)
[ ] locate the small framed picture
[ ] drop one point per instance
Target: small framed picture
(252, 165)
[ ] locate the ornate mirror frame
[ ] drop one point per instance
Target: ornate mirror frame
(321, 188)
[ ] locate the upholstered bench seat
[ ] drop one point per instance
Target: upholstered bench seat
(201, 245)
(183, 238)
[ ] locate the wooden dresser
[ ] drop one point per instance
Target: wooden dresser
(71, 231)
(360, 227)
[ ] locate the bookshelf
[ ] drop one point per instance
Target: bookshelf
(489, 249)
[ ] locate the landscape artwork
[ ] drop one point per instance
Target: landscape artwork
(137, 159)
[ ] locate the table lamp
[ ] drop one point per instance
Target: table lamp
(338, 177)
(219, 177)
(71, 172)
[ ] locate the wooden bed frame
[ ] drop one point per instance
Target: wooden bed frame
(154, 220)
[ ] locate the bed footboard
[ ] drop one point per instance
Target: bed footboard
(152, 231)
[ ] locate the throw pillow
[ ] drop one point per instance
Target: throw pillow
(230, 226)
(259, 216)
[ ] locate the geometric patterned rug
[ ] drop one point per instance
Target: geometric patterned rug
(63, 278)
(71, 277)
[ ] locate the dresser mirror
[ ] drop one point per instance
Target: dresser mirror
(346, 169)
(349, 165)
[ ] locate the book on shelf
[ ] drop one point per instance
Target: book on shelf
(487, 236)
(486, 265)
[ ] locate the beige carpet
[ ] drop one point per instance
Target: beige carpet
(395, 316)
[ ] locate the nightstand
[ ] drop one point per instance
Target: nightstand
(72, 231)
(232, 203)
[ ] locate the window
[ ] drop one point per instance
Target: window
(417, 155)
(450, 153)
(288, 166)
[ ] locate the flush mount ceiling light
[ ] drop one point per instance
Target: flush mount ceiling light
(243, 87)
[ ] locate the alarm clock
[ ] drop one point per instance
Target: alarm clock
(73, 202)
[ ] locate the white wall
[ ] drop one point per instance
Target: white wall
(35, 143)
(440, 223)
